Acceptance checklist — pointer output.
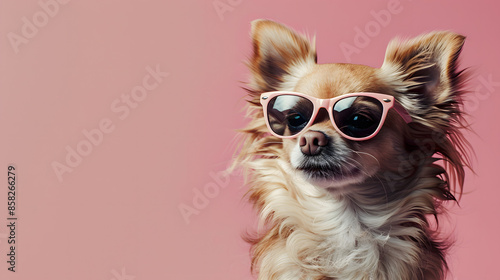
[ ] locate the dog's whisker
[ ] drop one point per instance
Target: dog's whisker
(368, 154)
(358, 166)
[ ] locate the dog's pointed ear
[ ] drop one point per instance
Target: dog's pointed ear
(424, 71)
(280, 56)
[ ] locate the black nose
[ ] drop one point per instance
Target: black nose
(311, 141)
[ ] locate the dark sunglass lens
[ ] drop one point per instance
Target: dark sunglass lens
(358, 116)
(289, 114)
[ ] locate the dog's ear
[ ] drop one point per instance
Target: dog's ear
(424, 75)
(424, 71)
(280, 56)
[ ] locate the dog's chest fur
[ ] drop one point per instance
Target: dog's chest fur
(316, 235)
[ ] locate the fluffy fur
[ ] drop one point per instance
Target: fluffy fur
(374, 224)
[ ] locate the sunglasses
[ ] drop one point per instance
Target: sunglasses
(356, 116)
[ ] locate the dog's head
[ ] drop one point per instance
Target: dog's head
(419, 73)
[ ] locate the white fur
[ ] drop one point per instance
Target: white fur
(347, 243)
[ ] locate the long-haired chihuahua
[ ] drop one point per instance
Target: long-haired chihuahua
(349, 165)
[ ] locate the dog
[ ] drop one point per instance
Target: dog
(350, 166)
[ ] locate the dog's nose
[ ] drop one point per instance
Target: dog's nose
(311, 141)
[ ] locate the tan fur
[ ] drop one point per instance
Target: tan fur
(374, 226)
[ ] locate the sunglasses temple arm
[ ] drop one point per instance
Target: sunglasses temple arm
(402, 112)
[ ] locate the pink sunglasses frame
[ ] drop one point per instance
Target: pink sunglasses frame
(386, 100)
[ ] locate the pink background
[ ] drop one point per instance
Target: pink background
(116, 215)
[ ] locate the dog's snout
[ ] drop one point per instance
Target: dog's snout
(311, 142)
